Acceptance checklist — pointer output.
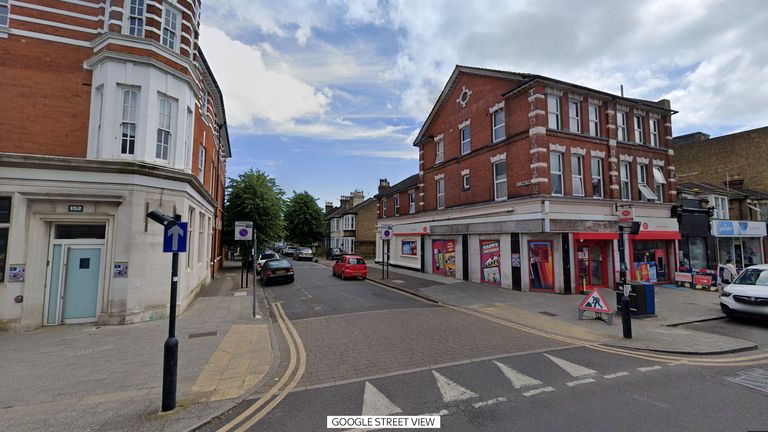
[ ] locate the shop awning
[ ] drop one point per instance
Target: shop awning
(595, 236)
(656, 235)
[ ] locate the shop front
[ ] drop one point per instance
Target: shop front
(739, 241)
(444, 257)
(592, 254)
(653, 251)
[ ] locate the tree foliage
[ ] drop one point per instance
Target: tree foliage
(255, 196)
(303, 219)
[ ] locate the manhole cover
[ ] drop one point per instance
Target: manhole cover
(548, 313)
(752, 378)
(202, 334)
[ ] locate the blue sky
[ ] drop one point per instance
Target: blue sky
(326, 96)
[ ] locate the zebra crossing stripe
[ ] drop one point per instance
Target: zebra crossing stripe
(581, 381)
(537, 391)
(615, 375)
(450, 390)
(376, 404)
(489, 402)
(573, 369)
(518, 380)
(648, 368)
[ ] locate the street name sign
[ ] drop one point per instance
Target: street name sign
(175, 238)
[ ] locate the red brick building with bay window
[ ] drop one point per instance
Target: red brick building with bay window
(520, 180)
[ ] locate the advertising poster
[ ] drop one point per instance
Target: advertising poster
(16, 272)
(645, 271)
(120, 270)
(450, 257)
(490, 261)
(408, 248)
(542, 264)
(438, 259)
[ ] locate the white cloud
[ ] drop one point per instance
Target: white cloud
(251, 90)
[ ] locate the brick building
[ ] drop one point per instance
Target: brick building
(109, 110)
(519, 180)
(700, 158)
(352, 225)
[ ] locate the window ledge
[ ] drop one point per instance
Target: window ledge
(4, 30)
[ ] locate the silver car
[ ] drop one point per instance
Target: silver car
(304, 254)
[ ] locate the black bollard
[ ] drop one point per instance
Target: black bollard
(626, 320)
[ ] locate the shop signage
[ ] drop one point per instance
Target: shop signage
(705, 280)
(726, 228)
(658, 224)
(683, 277)
(626, 215)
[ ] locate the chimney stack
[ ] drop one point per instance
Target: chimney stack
(383, 186)
(344, 202)
(357, 197)
(328, 207)
(735, 183)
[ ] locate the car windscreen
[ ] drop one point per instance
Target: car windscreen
(306, 250)
(280, 263)
(752, 277)
(268, 256)
(353, 261)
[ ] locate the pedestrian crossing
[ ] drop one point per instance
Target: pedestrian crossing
(457, 393)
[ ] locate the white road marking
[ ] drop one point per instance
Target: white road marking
(581, 381)
(573, 369)
(616, 375)
(518, 379)
(537, 391)
(450, 390)
(489, 402)
(240, 293)
(648, 368)
(376, 404)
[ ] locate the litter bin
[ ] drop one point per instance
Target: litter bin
(642, 299)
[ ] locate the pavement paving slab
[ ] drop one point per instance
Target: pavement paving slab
(88, 377)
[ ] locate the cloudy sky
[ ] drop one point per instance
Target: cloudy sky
(326, 96)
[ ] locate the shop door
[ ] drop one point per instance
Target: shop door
(592, 267)
(738, 254)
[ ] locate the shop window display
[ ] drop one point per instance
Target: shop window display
(649, 260)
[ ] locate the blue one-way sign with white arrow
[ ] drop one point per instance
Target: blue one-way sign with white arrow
(175, 238)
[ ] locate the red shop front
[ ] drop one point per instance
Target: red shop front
(653, 256)
(592, 254)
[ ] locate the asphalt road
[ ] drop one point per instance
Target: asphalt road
(373, 350)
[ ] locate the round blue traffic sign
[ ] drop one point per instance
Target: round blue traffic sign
(244, 232)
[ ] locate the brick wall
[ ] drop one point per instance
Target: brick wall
(46, 97)
(365, 229)
(732, 155)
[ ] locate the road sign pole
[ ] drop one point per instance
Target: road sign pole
(171, 348)
(253, 292)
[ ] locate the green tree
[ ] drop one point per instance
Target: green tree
(254, 196)
(303, 219)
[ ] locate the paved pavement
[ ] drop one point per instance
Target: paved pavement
(86, 377)
(558, 313)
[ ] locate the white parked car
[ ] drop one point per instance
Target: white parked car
(264, 258)
(748, 294)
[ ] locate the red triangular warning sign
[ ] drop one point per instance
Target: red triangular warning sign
(595, 302)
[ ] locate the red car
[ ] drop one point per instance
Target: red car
(350, 266)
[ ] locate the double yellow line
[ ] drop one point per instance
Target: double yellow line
(749, 360)
(287, 382)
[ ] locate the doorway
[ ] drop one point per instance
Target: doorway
(592, 268)
(75, 274)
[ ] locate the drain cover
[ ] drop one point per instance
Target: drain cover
(202, 334)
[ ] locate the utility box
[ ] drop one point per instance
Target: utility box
(642, 299)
